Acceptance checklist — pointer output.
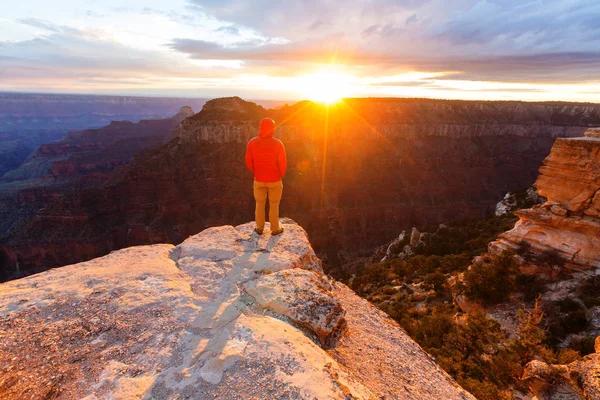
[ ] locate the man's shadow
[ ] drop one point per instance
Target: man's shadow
(216, 322)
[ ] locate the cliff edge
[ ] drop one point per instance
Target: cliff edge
(226, 314)
(569, 222)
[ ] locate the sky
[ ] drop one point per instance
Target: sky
(304, 49)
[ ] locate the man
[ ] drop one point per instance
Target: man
(265, 157)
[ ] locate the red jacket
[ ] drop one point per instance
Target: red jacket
(265, 157)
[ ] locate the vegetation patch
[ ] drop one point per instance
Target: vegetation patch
(418, 292)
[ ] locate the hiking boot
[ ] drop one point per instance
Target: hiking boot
(277, 232)
(259, 231)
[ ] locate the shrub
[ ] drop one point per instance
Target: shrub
(584, 346)
(530, 286)
(567, 356)
(436, 280)
(491, 282)
(524, 250)
(568, 305)
(432, 329)
(551, 258)
(589, 291)
(575, 321)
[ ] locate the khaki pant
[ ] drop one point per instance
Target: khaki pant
(274, 190)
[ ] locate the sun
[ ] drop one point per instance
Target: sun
(327, 87)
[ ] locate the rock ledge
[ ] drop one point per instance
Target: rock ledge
(227, 314)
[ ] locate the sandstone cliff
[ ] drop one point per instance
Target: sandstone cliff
(359, 173)
(225, 314)
(569, 222)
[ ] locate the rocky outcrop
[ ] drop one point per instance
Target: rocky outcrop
(514, 201)
(569, 222)
(358, 174)
(576, 381)
(226, 314)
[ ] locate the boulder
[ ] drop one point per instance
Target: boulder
(550, 382)
(415, 235)
(558, 210)
(304, 297)
(226, 314)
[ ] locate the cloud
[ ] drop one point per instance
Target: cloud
(229, 29)
(530, 40)
(517, 41)
(411, 20)
(41, 24)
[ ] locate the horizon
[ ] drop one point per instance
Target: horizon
(461, 50)
(289, 101)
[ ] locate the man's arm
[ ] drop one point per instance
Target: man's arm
(249, 160)
(282, 160)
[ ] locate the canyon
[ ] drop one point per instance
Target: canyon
(92, 153)
(360, 172)
(28, 120)
(524, 281)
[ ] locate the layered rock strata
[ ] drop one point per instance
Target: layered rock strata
(226, 314)
(569, 222)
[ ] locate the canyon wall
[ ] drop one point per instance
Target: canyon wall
(569, 222)
(359, 172)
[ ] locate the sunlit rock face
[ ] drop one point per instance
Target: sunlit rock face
(226, 314)
(569, 222)
(359, 173)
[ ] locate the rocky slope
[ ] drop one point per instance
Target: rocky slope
(569, 222)
(359, 173)
(225, 314)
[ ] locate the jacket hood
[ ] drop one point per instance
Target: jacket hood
(266, 128)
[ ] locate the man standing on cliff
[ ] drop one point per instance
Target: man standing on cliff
(266, 158)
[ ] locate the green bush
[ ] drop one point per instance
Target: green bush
(436, 281)
(492, 282)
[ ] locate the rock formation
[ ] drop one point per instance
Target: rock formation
(226, 314)
(576, 381)
(359, 173)
(569, 222)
